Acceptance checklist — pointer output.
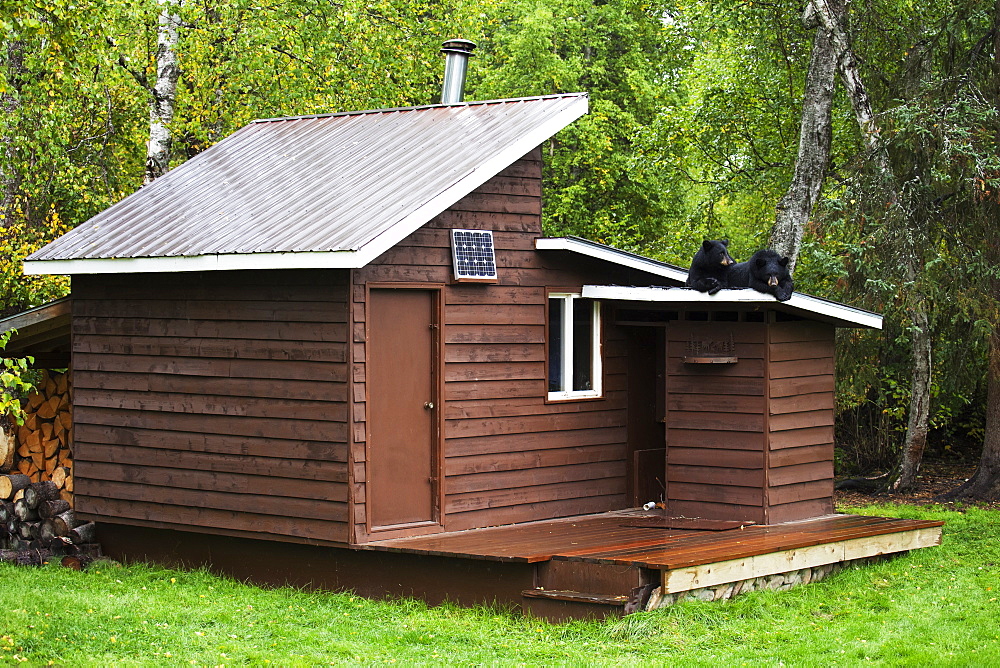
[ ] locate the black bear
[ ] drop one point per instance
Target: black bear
(710, 266)
(766, 271)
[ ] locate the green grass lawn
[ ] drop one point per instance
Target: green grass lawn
(937, 606)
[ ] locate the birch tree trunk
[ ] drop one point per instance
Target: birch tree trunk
(163, 92)
(12, 59)
(918, 417)
(830, 18)
(815, 133)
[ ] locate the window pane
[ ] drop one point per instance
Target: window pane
(555, 344)
(583, 344)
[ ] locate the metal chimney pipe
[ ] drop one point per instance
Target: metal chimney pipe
(457, 53)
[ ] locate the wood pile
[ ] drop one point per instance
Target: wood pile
(42, 447)
(36, 524)
(36, 482)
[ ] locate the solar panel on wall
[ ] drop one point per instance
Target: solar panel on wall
(473, 255)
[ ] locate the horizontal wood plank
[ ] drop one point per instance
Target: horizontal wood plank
(787, 387)
(801, 350)
(795, 438)
(185, 517)
(217, 483)
(799, 368)
(735, 403)
(492, 390)
(516, 461)
(227, 368)
(458, 503)
(277, 466)
(744, 459)
(804, 419)
(224, 348)
(716, 421)
(535, 424)
(799, 473)
(488, 482)
(244, 505)
(296, 430)
(817, 489)
(226, 444)
(210, 329)
(528, 442)
(494, 354)
(205, 404)
(262, 311)
(801, 455)
(510, 334)
(697, 437)
(784, 332)
(711, 493)
(713, 475)
(802, 403)
(304, 390)
(715, 385)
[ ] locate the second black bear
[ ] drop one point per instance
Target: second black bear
(710, 267)
(766, 271)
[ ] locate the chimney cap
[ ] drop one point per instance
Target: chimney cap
(460, 46)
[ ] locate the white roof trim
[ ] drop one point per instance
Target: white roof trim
(225, 262)
(609, 254)
(799, 302)
(497, 162)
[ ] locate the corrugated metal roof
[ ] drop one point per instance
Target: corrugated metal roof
(351, 184)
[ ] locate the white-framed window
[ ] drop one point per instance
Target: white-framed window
(574, 347)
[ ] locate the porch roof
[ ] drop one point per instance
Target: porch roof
(43, 332)
(801, 304)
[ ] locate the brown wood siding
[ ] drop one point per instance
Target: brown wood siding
(508, 454)
(215, 401)
(715, 423)
(801, 407)
(752, 440)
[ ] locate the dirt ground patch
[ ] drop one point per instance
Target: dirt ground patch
(935, 478)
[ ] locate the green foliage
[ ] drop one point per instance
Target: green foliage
(941, 142)
(605, 179)
(62, 147)
(13, 383)
(150, 616)
(692, 134)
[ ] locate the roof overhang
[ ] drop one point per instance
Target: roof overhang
(613, 255)
(813, 308)
(43, 332)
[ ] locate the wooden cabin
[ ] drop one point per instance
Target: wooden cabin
(327, 336)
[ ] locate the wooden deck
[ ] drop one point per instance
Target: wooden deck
(645, 550)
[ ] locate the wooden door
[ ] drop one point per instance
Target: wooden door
(402, 408)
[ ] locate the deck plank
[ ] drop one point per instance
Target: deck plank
(640, 539)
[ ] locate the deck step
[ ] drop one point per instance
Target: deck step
(560, 605)
(576, 596)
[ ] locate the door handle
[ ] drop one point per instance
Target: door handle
(429, 405)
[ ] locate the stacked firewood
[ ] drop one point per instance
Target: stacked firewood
(44, 443)
(36, 482)
(36, 524)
